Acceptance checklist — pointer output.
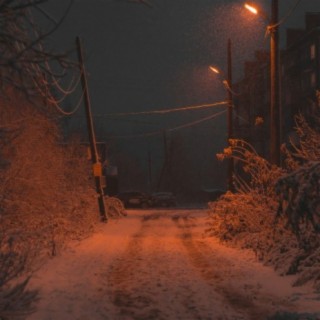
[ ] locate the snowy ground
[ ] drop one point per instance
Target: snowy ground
(156, 264)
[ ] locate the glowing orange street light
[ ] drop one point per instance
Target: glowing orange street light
(251, 8)
(215, 70)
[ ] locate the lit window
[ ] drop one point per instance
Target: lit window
(312, 51)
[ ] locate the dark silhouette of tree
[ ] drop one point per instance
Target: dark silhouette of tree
(25, 63)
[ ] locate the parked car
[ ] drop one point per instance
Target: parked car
(215, 194)
(164, 199)
(135, 199)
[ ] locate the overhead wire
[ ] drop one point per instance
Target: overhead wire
(44, 89)
(46, 93)
(288, 14)
(198, 121)
(158, 132)
(164, 111)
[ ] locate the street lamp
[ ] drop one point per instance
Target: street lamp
(228, 85)
(273, 28)
(251, 8)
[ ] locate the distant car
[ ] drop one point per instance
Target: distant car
(135, 199)
(164, 199)
(215, 194)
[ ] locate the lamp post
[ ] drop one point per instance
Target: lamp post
(228, 85)
(274, 89)
(273, 28)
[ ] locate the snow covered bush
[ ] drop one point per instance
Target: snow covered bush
(299, 209)
(47, 197)
(275, 212)
(42, 200)
(46, 186)
(298, 191)
(300, 197)
(236, 214)
(243, 216)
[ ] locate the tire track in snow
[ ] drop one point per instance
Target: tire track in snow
(128, 299)
(130, 286)
(215, 270)
(168, 291)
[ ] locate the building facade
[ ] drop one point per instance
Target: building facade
(299, 82)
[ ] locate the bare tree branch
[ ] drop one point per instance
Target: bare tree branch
(24, 60)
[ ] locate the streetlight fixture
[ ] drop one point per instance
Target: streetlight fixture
(214, 69)
(273, 28)
(228, 85)
(251, 8)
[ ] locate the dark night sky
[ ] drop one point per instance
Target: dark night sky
(158, 58)
(139, 59)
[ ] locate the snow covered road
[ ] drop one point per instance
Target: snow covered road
(157, 264)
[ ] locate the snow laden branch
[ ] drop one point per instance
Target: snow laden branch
(299, 191)
(299, 194)
(253, 173)
(276, 211)
(307, 148)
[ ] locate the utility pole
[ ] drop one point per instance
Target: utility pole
(274, 86)
(230, 116)
(97, 168)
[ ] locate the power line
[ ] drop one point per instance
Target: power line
(288, 14)
(153, 133)
(197, 121)
(164, 111)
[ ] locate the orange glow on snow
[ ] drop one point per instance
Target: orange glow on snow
(251, 8)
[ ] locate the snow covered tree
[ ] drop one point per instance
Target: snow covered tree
(40, 201)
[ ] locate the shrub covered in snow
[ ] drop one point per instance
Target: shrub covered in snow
(299, 200)
(275, 212)
(46, 187)
(47, 197)
(45, 194)
(241, 220)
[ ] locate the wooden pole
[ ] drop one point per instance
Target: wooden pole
(97, 168)
(230, 117)
(274, 87)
